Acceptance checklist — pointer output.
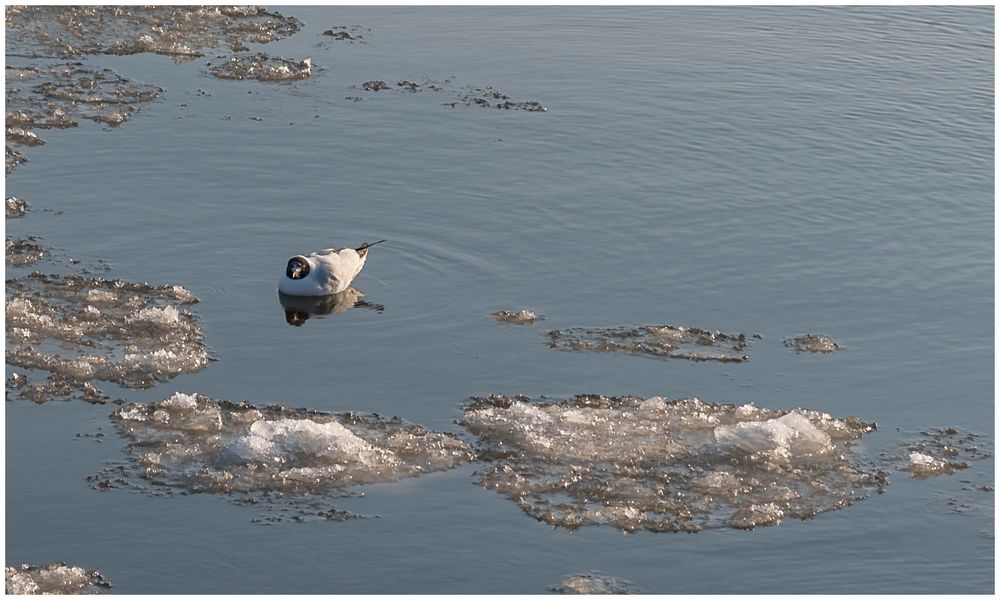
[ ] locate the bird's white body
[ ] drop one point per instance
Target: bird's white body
(330, 271)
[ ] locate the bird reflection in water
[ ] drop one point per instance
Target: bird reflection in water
(298, 309)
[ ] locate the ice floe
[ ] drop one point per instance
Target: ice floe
(82, 329)
(941, 451)
(57, 578)
(15, 207)
(812, 343)
(58, 95)
(22, 252)
(261, 455)
(667, 465)
(519, 317)
(262, 67)
(656, 341)
(181, 32)
(594, 583)
(12, 158)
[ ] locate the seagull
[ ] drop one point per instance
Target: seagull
(324, 272)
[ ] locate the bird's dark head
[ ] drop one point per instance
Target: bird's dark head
(298, 267)
(297, 318)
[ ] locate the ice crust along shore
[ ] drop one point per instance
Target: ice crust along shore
(656, 341)
(81, 329)
(56, 578)
(197, 444)
(662, 465)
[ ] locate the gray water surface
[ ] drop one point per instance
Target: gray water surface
(778, 171)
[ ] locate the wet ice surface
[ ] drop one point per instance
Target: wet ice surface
(812, 343)
(277, 458)
(22, 252)
(594, 583)
(177, 31)
(488, 97)
(262, 67)
(520, 317)
(56, 578)
(660, 465)
(80, 329)
(656, 341)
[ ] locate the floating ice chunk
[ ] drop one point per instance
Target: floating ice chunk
(329, 441)
(786, 436)
(656, 341)
(84, 329)
(483, 97)
(918, 459)
(177, 31)
(23, 137)
(925, 465)
(193, 443)
(666, 465)
(61, 94)
(57, 578)
(263, 68)
(521, 317)
(15, 207)
(18, 253)
(12, 158)
(942, 451)
(594, 583)
(812, 343)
